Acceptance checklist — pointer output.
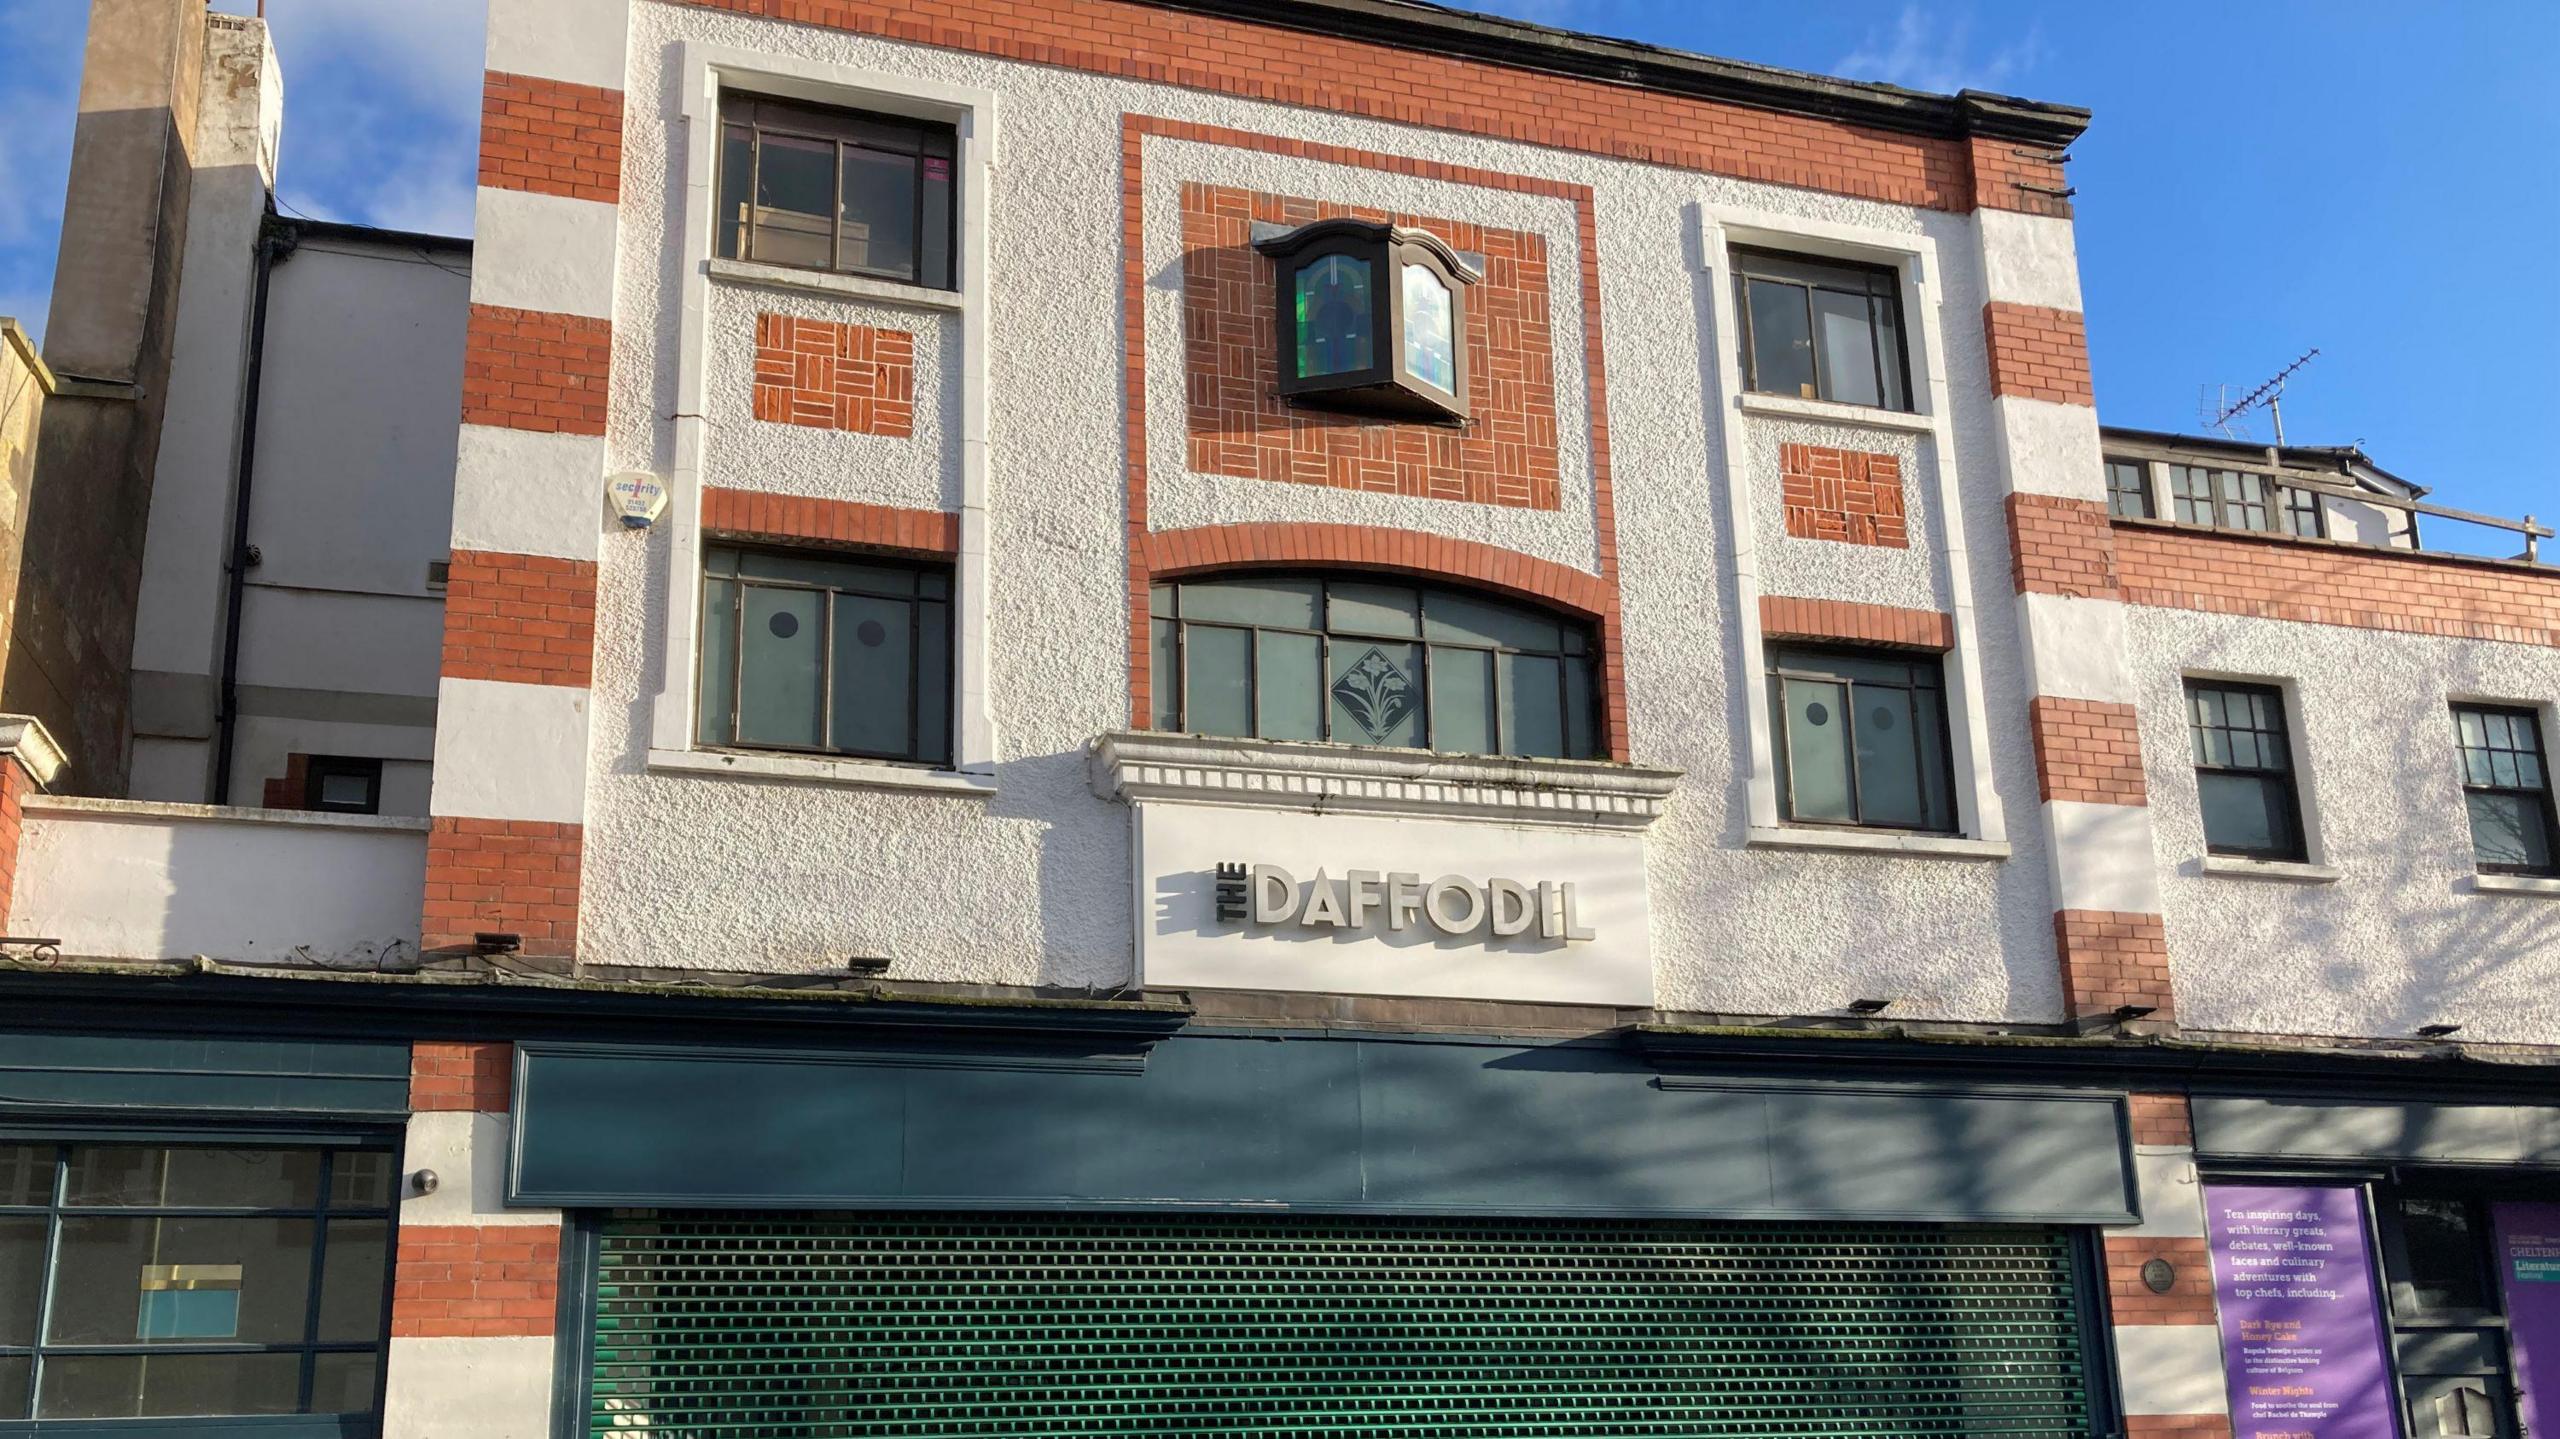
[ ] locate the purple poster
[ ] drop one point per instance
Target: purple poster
(2302, 1342)
(2529, 1273)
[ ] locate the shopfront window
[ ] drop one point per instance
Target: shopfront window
(146, 1281)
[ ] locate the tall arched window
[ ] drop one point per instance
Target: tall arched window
(1371, 660)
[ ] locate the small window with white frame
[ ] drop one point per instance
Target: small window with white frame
(814, 187)
(1821, 329)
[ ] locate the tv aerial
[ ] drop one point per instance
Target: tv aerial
(2223, 413)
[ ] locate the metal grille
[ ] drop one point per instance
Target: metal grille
(736, 1327)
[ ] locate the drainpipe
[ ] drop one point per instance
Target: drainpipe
(276, 241)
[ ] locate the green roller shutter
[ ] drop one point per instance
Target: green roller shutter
(757, 1327)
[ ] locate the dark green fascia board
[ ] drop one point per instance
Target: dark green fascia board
(1467, 35)
(2438, 1072)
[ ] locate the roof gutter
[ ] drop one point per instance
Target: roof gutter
(1411, 25)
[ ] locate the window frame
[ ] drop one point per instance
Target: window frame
(940, 757)
(2223, 501)
(745, 109)
(1883, 283)
(1566, 622)
(1782, 739)
(2287, 779)
(2140, 490)
(321, 767)
(1387, 387)
(2548, 807)
(56, 1209)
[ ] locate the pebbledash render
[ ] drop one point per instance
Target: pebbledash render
(1282, 718)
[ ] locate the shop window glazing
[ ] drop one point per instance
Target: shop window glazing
(146, 1281)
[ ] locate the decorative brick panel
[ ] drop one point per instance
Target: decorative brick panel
(2111, 959)
(534, 370)
(1241, 427)
(514, 876)
(528, 619)
(2087, 751)
(1847, 622)
(2320, 583)
(2177, 1426)
(2131, 1302)
(551, 137)
(465, 1078)
(2038, 353)
(475, 1281)
(1418, 87)
(751, 514)
(1846, 495)
(2061, 547)
(2160, 1119)
(828, 376)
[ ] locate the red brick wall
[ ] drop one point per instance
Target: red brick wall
(751, 514)
(2282, 578)
(2038, 353)
(2131, 1302)
(532, 370)
(292, 789)
(550, 137)
(1783, 618)
(2111, 959)
(1416, 87)
(469, 1078)
(2177, 1426)
(467, 1281)
(515, 876)
(1240, 425)
(2087, 751)
(835, 377)
(2061, 547)
(2160, 1119)
(2011, 176)
(14, 788)
(529, 619)
(1847, 495)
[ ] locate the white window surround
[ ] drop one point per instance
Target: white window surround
(2540, 886)
(2233, 866)
(832, 285)
(1914, 259)
(1875, 841)
(2316, 862)
(704, 70)
(1137, 766)
(819, 769)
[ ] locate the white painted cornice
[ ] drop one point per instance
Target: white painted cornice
(1141, 767)
(25, 739)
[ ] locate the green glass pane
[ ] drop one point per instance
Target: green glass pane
(110, 1267)
(879, 210)
(2502, 768)
(1289, 686)
(1377, 692)
(1430, 329)
(26, 1173)
(1889, 784)
(1358, 608)
(1280, 603)
(1897, 391)
(1532, 705)
(2471, 726)
(737, 170)
(343, 1383)
(1817, 731)
(1160, 601)
(1468, 620)
(1165, 680)
(1937, 793)
(834, 573)
(717, 688)
(1334, 313)
(1462, 700)
(1581, 713)
(933, 682)
(16, 1373)
(132, 1176)
(2507, 830)
(129, 1386)
(874, 676)
(21, 1276)
(1845, 340)
(780, 692)
(1220, 683)
(795, 207)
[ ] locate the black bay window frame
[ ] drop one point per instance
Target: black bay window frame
(745, 112)
(56, 1209)
(1326, 639)
(2541, 798)
(1387, 387)
(935, 751)
(1924, 666)
(1882, 287)
(2296, 849)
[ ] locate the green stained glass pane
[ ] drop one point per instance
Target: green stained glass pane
(1333, 314)
(1430, 331)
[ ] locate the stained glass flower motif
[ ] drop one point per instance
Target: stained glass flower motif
(1375, 693)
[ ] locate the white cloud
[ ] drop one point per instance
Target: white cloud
(1932, 50)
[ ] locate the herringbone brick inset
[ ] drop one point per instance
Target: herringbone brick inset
(829, 376)
(1845, 495)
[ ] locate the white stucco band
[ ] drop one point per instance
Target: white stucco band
(2171, 1369)
(518, 492)
(2102, 857)
(2172, 1196)
(580, 41)
(2075, 647)
(2029, 259)
(2049, 449)
(468, 1152)
(469, 1389)
(543, 252)
(511, 751)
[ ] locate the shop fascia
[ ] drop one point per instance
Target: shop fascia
(1270, 896)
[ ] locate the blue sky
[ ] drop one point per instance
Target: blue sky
(2375, 178)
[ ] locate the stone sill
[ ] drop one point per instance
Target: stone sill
(77, 807)
(818, 769)
(1866, 416)
(2542, 886)
(2288, 871)
(1876, 841)
(1139, 766)
(832, 285)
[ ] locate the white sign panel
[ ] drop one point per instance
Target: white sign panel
(1365, 904)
